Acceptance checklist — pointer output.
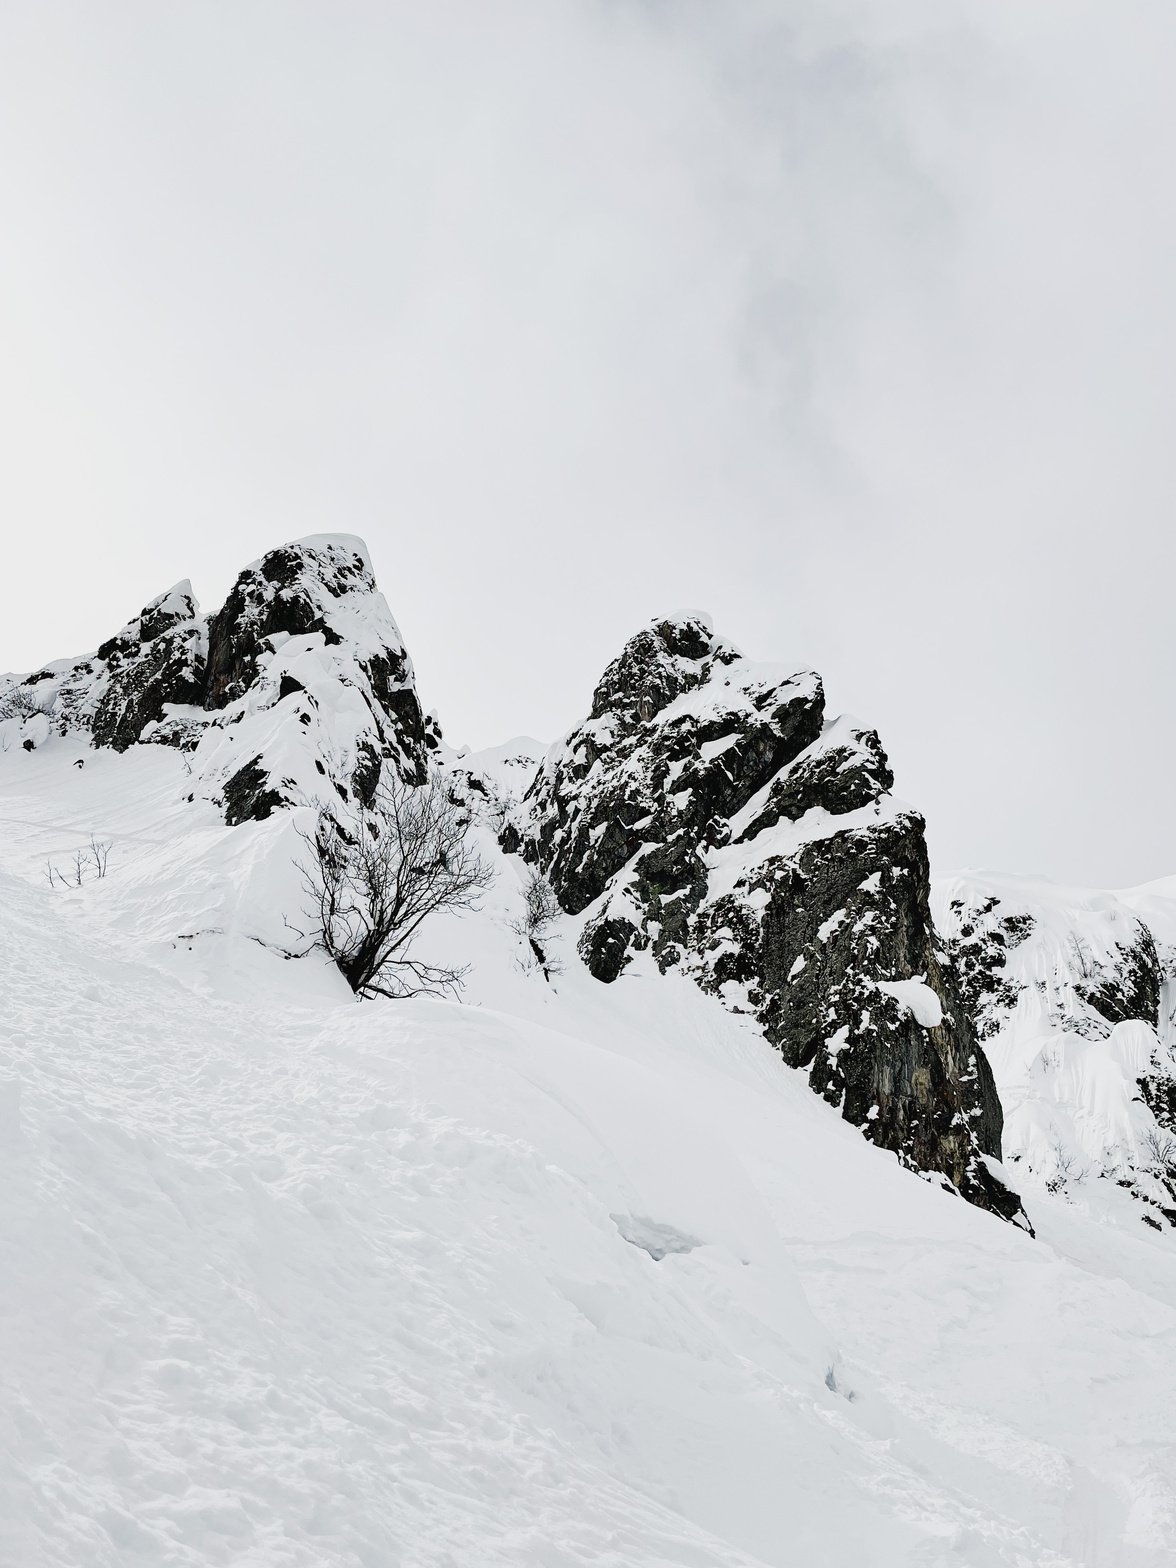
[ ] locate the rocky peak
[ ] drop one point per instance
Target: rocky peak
(176, 607)
(310, 681)
(707, 814)
(661, 662)
(683, 733)
(299, 685)
(124, 687)
(294, 591)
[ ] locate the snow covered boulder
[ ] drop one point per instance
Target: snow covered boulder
(706, 812)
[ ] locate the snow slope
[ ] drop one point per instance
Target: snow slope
(561, 1275)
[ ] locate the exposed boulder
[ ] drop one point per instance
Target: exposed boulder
(706, 812)
(249, 796)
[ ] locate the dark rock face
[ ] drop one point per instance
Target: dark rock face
(840, 778)
(157, 659)
(283, 592)
(248, 795)
(293, 591)
(979, 949)
(261, 644)
(656, 772)
(123, 688)
(707, 813)
(1132, 987)
(302, 670)
(820, 934)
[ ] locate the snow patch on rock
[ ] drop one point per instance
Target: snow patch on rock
(1071, 991)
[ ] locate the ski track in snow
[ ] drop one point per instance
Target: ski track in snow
(285, 1280)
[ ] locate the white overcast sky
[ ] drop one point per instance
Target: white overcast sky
(854, 324)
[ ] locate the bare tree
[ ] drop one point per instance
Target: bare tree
(23, 702)
(540, 912)
(85, 864)
(1161, 1145)
(1081, 956)
(99, 852)
(370, 891)
(1066, 1167)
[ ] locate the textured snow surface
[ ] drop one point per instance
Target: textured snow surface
(286, 1280)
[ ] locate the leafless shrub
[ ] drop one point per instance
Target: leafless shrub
(497, 812)
(368, 893)
(1066, 1167)
(540, 912)
(1081, 956)
(1161, 1146)
(23, 702)
(86, 864)
(99, 852)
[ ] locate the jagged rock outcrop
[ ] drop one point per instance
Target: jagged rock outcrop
(707, 813)
(155, 660)
(309, 682)
(299, 686)
(123, 688)
(1072, 993)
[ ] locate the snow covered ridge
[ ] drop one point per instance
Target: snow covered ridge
(1074, 994)
(301, 680)
(707, 815)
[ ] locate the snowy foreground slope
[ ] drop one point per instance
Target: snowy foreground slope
(289, 1280)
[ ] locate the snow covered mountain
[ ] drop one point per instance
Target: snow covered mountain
(577, 1269)
(1074, 994)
